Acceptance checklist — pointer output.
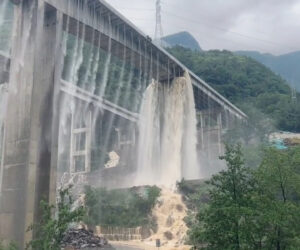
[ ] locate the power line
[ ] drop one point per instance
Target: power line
(228, 31)
(203, 36)
(159, 33)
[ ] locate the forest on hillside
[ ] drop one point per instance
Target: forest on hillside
(245, 82)
(286, 65)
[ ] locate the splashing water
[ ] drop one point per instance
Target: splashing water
(191, 168)
(3, 8)
(149, 139)
(167, 144)
(3, 101)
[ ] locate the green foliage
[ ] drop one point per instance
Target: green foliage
(225, 222)
(184, 38)
(257, 209)
(286, 65)
(195, 193)
(246, 83)
(279, 197)
(196, 198)
(124, 208)
(10, 246)
(49, 232)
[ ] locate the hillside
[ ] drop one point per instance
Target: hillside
(287, 65)
(245, 82)
(183, 39)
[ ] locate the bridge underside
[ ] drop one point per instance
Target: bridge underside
(75, 75)
(124, 40)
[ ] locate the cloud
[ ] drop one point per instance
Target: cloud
(271, 26)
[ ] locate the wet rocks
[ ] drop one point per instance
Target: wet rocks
(82, 239)
(168, 235)
(170, 221)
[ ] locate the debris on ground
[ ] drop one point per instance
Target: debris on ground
(81, 239)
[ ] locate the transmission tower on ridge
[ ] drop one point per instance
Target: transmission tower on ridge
(158, 26)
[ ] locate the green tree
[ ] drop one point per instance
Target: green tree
(279, 192)
(11, 246)
(253, 209)
(225, 222)
(120, 207)
(49, 232)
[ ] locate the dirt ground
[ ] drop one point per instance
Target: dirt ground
(137, 245)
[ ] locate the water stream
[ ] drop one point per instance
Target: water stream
(167, 144)
(3, 101)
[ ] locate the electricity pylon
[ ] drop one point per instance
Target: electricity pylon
(158, 27)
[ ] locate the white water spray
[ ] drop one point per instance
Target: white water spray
(167, 145)
(191, 168)
(149, 138)
(3, 101)
(3, 8)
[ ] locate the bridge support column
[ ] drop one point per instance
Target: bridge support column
(219, 128)
(27, 146)
(202, 130)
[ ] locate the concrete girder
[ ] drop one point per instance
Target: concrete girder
(133, 39)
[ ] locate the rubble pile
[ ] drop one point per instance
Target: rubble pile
(82, 238)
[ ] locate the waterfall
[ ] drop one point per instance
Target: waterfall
(149, 138)
(3, 8)
(168, 137)
(191, 168)
(173, 131)
(3, 101)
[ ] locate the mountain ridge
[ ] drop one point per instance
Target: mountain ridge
(286, 65)
(183, 39)
(245, 82)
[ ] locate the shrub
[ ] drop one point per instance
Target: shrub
(124, 208)
(49, 232)
(10, 246)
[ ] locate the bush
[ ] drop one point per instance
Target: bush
(11, 246)
(195, 193)
(49, 232)
(124, 208)
(252, 208)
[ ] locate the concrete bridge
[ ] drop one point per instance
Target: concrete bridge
(37, 91)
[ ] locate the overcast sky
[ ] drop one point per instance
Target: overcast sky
(269, 26)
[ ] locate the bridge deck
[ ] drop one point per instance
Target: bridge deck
(102, 17)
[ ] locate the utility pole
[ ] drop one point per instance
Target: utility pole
(158, 27)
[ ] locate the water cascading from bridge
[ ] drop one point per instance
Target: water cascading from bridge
(3, 93)
(3, 100)
(168, 135)
(95, 71)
